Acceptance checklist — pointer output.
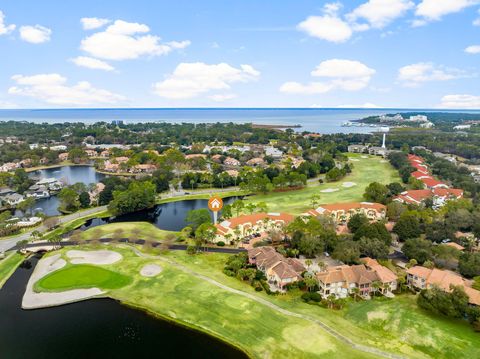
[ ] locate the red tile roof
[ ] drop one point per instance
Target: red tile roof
(432, 183)
(346, 207)
(252, 219)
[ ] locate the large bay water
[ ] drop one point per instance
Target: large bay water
(322, 120)
(98, 328)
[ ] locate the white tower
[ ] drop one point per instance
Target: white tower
(383, 143)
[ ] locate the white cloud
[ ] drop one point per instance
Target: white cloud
(125, 40)
(476, 22)
(460, 101)
(5, 29)
(190, 80)
(326, 27)
(90, 23)
(379, 13)
(53, 89)
(436, 9)
(91, 63)
(35, 34)
(415, 74)
(347, 75)
(474, 49)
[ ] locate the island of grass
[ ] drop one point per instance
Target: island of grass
(193, 291)
(131, 230)
(366, 169)
(82, 276)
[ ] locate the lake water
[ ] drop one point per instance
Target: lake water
(322, 120)
(69, 175)
(169, 216)
(98, 328)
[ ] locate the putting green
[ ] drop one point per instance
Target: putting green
(82, 276)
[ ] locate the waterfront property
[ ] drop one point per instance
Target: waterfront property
(425, 278)
(280, 271)
(238, 227)
(344, 280)
(342, 212)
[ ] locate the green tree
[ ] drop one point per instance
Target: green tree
(84, 199)
(347, 251)
(68, 199)
(138, 196)
(408, 226)
(376, 192)
(418, 249)
(356, 221)
(26, 205)
(196, 217)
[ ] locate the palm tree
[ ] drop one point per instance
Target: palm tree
(331, 300)
(376, 285)
(356, 293)
(308, 263)
(35, 235)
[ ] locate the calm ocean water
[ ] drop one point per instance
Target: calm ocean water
(317, 120)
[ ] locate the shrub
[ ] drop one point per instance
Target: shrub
(191, 250)
(220, 243)
(311, 297)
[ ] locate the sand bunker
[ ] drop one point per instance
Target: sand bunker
(33, 300)
(150, 270)
(101, 257)
(383, 161)
(364, 156)
(348, 184)
(328, 190)
(354, 160)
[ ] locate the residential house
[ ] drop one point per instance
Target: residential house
(340, 281)
(195, 155)
(108, 166)
(342, 212)
(63, 156)
(280, 271)
(9, 166)
(273, 152)
(425, 278)
(231, 162)
(121, 159)
(91, 153)
(439, 196)
(256, 162)
(357, 148)
(38, 191)
(105, 154)
(238, 227)
(143, 168)
(12, 199)
(232, 173)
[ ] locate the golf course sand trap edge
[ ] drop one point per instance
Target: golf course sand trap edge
(45, 266)
(328, 190)
(348, 184)
(101, 257)
(150, 270)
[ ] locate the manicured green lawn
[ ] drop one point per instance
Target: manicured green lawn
(140, 230)
(82, 276)
(365, 171)
(8, 266)
(395, 326)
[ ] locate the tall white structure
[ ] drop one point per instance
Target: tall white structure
(383, 143)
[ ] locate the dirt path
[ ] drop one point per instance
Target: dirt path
(275, 307)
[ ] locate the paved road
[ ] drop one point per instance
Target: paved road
(6, 244)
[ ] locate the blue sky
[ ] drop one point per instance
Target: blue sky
(244, 53)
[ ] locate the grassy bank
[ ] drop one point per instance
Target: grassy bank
(396, 325)
(366, 169)
(8, 265)
(140, 230)
(193, 302)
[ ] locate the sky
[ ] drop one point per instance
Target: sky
(240, 53)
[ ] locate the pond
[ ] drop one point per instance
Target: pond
(69, 175)
(97, 328)
(169, 216)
